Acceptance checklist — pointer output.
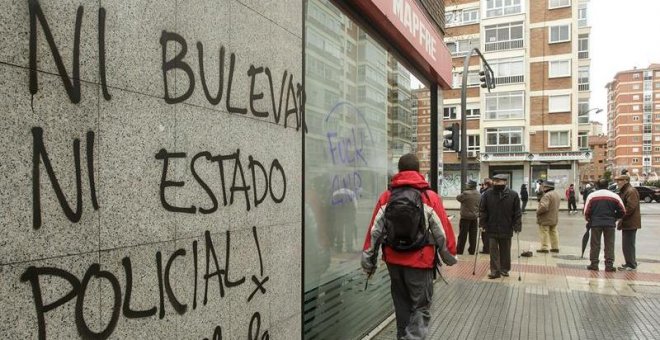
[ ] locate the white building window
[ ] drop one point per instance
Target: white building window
(636, 117)
(504, 36)
(461, 17)
(473, 143)
(449, 112)
(583, 111)
(635, 87)
(472, 111)
(583, 140)
(636, 108)
(582, 15)
(558, 3)
(635, 76)
(473, 79)
(583, 78)
(559, 68)
(496, 8)
(635, 128)
(507, 139)
(505, 105)
(462, 47)
(635, 150)
(636, 97)
(583, 46)
(508, 70)
(635, 160)
(560, 33)
(560, 103)
(559, 139)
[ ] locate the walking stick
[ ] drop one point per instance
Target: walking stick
(518, 239)
(476, 251)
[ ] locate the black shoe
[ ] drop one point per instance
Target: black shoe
(554, 250)
(544, 251)
(494, 275)
(505, 274)
(593, 267)
(610, 269)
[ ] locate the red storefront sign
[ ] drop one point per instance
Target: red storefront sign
(407, 26)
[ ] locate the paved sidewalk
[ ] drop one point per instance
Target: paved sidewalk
(556, 299)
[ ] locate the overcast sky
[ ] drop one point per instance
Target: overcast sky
(624, 34)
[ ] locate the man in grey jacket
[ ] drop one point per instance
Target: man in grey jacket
(547, 217)
(469, 200)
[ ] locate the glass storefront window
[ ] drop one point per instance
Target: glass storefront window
(362, 116)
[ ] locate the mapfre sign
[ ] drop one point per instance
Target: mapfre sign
(412, 22)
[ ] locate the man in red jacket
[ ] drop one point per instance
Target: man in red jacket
(411, 271)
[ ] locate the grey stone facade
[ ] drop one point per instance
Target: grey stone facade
(141, 199)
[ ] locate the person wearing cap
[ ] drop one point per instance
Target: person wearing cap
(524, 197)
(500, 217)
(547, 217)
(467, 225)
(631, 221)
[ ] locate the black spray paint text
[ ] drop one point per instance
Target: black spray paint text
(258, 174)
(215, 271)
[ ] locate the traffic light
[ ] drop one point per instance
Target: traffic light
(451, 137)
(486, 80)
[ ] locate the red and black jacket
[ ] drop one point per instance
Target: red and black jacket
(442, 234)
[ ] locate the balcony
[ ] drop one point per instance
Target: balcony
(504, 148)
(583, 87)
(504, 45)
(583, 54)
(509, 80)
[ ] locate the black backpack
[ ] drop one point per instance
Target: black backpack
(404, 219)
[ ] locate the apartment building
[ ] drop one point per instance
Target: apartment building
(634, 119)
(534, 124)
(595, 170)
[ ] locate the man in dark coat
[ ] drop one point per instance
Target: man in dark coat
(631, 221)
(469, 200)
(499, 215)
(524, 196)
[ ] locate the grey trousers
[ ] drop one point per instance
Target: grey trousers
(628, 245)
(412, 293)
(594, 251)
(500, 254)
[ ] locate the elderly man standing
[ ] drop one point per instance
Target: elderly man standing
(499, 215)
(469, 200)
(601, 210)
(631, 221)
(547, 217)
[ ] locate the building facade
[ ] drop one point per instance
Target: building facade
(532, 125)
(203, 169)
(633, 112)
(595, 170)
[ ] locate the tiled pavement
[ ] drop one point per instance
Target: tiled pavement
(556, 299)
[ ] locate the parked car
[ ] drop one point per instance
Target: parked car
(648, 193)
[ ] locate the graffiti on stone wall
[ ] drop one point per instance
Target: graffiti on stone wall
(213, 270)
(246, 177)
